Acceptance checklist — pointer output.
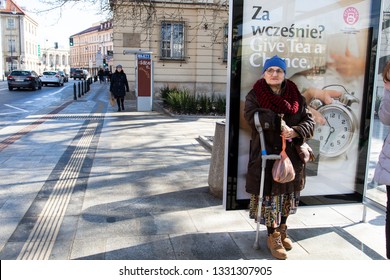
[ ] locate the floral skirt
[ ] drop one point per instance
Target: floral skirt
(274, 207)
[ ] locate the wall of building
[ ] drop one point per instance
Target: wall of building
(202, 71)
(24, 33)
(29, 47)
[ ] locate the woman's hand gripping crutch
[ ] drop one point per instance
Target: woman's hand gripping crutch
(264, 158)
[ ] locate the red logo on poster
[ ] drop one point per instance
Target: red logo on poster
(351, 15)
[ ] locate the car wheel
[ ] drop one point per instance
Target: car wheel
(39, 86)
(34, 87)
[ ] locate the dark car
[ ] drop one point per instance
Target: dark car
(24, 79)
(80, 74)
(72, 72)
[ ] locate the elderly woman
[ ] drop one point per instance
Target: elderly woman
(282, 112)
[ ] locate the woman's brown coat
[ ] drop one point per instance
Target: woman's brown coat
(302, 122)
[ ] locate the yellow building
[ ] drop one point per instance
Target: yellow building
(188, 40)
(19, 40)
(92, 48)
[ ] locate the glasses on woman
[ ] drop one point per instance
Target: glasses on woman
(271, 71)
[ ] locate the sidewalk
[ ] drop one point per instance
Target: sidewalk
(142, 194)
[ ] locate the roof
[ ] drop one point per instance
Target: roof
(88, 30)
(12, 8)
(96, 27)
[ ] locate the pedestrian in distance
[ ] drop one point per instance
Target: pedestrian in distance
(101, 75)
(283, 114)
(109, 75)
(382, 169)
(106, 75)
(119, 86)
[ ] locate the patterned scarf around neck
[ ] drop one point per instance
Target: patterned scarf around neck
(286, 103)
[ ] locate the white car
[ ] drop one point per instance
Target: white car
(52, 77)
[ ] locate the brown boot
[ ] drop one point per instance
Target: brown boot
(287, 243)
(274, 243)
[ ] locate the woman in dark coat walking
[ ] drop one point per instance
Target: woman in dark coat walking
(282, 111)
(119, 86)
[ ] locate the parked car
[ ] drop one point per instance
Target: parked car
(65, 76)
(24, 79)
(80, 74)
(52, 77)
(72, 71)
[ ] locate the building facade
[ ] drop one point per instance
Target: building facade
(20, 46)
(19, 41)
(53, 58)
(188, 41)
(92, 48)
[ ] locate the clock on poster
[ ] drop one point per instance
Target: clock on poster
(338, 132)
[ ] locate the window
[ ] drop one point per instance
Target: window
(11, 23)
(172, 40)
(225, 42)
(11, 46)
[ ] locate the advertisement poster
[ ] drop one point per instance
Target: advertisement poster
(327, 47)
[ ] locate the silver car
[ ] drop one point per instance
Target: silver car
(52, 77)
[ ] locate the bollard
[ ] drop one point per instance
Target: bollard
(215, 179)
(74, 92)
(78, 86)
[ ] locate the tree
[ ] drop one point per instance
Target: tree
(142, 13)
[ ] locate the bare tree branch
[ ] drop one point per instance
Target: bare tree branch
(144, 15)
(102, 6)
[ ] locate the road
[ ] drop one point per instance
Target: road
(18, 104)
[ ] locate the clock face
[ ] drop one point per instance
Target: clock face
(336, 134)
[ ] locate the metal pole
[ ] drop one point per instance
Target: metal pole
(74, 92)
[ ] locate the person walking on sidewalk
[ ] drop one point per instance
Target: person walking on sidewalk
(107, 75)
(119, 86)
(382, 169)
(282, 112)
(101, 75)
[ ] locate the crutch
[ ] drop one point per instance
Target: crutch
(264, 158)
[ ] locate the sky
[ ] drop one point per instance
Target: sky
(59, 24)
